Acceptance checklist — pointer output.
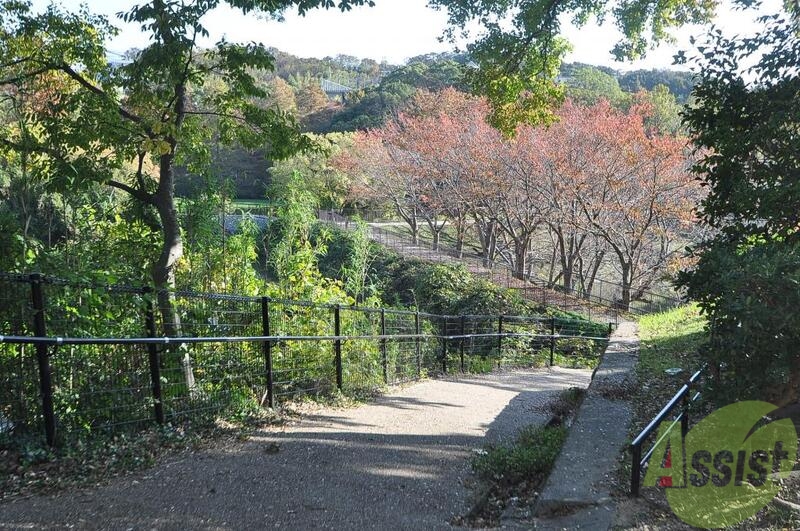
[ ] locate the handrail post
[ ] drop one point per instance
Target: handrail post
(265, 329)
(384, 358)
(636, 469)
(154, 357)
(337, 345)
(685, 414)
(43, 359)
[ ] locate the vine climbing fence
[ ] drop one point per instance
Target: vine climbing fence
(76, 358)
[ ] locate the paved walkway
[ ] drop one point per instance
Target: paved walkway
(397, 463)
(577, 494)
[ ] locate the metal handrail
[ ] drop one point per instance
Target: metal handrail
(34, 340)
(681, 397)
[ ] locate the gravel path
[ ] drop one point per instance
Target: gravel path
(397, 463)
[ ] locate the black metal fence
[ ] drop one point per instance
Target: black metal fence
(681, 402)
(81, 358)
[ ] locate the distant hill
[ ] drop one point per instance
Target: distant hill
(380, 90)
(678, 82)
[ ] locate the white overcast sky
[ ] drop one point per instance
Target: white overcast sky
(395, 30)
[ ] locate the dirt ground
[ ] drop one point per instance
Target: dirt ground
(400, 462)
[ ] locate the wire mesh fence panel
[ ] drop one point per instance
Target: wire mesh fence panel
(100, 387)
(20, 404)
(217, 315)
(362, 359)
(525, 343)
(302, 367)
(85, 310)
(481, 345)
(16, 312)
(403, 355)
(215, 358)
(431, 327)
(210, 378)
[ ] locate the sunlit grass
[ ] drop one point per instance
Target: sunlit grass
(670, 340)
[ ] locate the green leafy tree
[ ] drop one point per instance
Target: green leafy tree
(587, 85)
(679, 82)
(311, 98)
(665, 111)
(112, 125)
(295, 255)
(518, 53)
(747, 276)
(328, 184)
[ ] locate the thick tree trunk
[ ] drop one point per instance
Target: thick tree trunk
(625, 300)
(520, 259)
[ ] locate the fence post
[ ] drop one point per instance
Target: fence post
(610, 328)
(463, 339)
(337, 345)
(685, 415)
(417, 332)
(154, 357)
(499, 338)
(636, 470)
(43, 359)
(552, 339)
(444, 346)
(384, 358)
(265, 329)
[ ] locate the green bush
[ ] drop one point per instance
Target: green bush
(532, 456)
(751, 296)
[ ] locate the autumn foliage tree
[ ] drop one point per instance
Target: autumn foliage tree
(599, 182)
(633, 191)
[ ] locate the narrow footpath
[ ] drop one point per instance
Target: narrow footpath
(577, 494)
(400, 462)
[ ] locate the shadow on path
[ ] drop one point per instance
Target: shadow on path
(397, 463)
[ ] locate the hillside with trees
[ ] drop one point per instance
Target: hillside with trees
(382, 91)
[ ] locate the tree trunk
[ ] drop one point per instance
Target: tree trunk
(411, 221)
(588, 282)
(487, 234)
(520, 259)
(171, 251)
(625, 300)
(461, 229)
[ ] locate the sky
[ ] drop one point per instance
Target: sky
(395, 30)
